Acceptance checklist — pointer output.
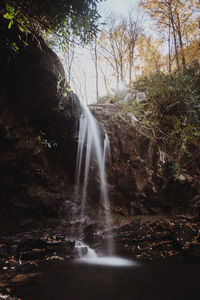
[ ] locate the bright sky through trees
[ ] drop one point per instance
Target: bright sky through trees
(83, 75)
(136, 37)
(119, 7)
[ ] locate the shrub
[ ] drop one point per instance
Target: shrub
(172, 106)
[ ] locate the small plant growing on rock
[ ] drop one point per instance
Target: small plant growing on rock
(43, 140)
(174, 170)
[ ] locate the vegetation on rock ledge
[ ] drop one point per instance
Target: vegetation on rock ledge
(170, 109)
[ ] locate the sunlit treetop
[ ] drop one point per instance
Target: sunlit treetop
(66, 18)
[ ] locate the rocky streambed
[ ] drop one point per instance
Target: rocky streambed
(144, 239)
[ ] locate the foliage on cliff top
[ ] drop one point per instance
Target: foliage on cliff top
(173, 95)
(66, 18)
(172, 107)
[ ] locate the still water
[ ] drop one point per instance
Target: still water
(82, 281)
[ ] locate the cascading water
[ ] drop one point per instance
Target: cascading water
(91, 148)
(92, 258)
(89, 145)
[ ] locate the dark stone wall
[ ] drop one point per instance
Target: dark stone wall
(139, 179)
(38, 134)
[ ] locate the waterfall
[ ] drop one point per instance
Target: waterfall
(90, 148)
(93, 146)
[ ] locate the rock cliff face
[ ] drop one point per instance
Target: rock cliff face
(38, 135)
(141, 181)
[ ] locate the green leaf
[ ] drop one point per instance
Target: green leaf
(14, 47)
(62, 48)
(26, 44)
(10, 24)
(21, 28)
(9, 8)
(8, 16)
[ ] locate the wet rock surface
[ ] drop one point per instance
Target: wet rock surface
(21, 254)
(154, 238)
(144, 178)
(171, 238)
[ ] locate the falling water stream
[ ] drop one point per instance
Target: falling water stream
(90, 146)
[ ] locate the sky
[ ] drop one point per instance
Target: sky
(83, 81)
(119, 7)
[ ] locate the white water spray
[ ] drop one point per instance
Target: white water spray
(92, 258)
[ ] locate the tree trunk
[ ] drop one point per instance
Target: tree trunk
(171, 18)
(96, 69)
(181, 42)
(169, 49)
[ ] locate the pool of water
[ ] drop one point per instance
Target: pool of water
(82, 281)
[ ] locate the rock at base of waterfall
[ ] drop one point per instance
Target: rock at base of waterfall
(89, 232)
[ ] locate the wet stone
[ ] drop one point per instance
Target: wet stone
(89, 233)
(80, 251)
